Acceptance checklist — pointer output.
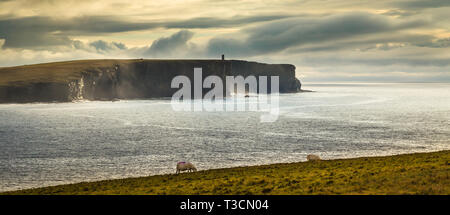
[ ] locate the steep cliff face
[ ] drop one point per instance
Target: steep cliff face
(286, 72)
(123, 79)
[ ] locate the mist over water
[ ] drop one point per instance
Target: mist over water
(58, 143)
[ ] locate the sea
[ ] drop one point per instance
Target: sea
(46, 144)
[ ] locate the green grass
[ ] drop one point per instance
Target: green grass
(421, 173)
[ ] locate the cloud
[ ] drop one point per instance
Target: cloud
(175, 45)
(99, 46)
(379, 38)
(102, 46)
(400, 13)
(284, 34)
(40, 31)
(420, 4)
(383, 41)
(167, 45)
(212, 22)
(438, 43)
(377, 61)
(36, 32)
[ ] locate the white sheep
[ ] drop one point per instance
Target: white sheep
(185, 166)
(312, 157)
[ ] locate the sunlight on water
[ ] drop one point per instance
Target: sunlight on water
(50, 144)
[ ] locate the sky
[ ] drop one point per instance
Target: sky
(327, 40)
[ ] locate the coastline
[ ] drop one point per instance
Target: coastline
(111, 79)
(417, 173)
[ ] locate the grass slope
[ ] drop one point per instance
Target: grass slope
(58, 72)
(421, 173)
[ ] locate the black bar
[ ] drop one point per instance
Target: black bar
(244, 204)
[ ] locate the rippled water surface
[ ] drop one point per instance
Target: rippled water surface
(50, 144)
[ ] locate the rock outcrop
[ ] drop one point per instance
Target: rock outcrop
(122, 79)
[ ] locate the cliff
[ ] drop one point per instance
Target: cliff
(122, 79)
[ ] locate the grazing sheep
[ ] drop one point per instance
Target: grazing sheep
(185, 166)
(312, 157)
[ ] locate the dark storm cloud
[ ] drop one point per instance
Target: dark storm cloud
(38, 31)
(283, 34)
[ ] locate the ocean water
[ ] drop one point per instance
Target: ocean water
(59, 143)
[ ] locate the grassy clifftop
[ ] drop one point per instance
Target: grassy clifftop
(57, 72)
(421, 173)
